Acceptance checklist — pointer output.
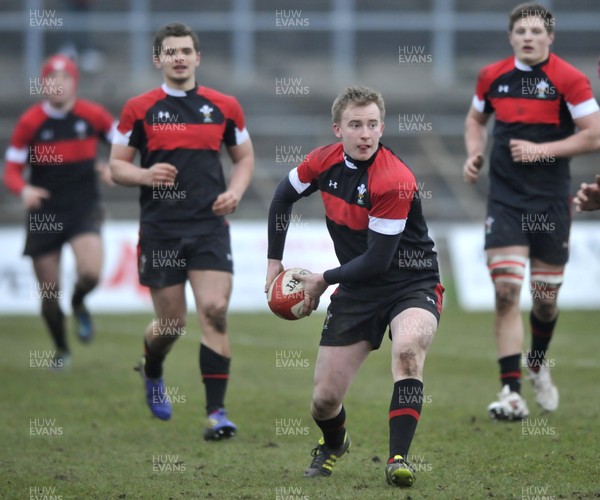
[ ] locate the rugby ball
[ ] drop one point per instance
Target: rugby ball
(286, 294)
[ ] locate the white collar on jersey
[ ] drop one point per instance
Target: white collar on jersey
(349, 161)
(356, 164)
(174, 92)
(53, 112)
(521, 66)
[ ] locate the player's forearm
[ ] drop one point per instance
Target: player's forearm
(376, 260)
(126, 173)
(475, 137)
(241, 176)
(584, 141)
(279, 216)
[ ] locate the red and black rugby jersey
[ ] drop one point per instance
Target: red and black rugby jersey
(60, 149)
(187, 130)
(380, 194)
(537, 104)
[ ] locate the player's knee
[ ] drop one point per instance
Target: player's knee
(216, 315)
(545, 311)
(507, 296)
(408, 361)
(324, 402)
(88, 280)
(507, 273)
(544, 297)
(544, 293)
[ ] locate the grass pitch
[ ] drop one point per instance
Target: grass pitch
(88, 433)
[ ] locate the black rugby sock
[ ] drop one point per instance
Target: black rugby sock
(82, 288)
(55, 320)
(405, 411)
(334, 429)
(510, 372)
(153, 368)
(541, 335)
(214, 369)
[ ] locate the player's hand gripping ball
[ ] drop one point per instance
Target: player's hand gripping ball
(286, 294)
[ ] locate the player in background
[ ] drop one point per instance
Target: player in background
(179, 129)
(388, 275)
(58, 138)
(588, 196)
(545, 114)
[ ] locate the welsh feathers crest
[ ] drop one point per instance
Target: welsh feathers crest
(207, 110)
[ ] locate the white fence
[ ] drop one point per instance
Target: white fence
(308, 246)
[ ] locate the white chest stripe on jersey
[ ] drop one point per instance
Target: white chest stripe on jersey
(295, 181)
(386, 226)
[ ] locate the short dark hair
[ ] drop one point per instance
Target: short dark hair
(357, 96)
(531, 9)
(173, 29)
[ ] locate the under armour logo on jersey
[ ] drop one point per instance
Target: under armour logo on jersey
(429, 299)
(503, 88)
(333, 184)
(361, 194)
(207, 110)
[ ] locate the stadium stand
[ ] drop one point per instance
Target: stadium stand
(319, 56)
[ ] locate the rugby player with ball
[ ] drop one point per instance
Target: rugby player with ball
(374, 217)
